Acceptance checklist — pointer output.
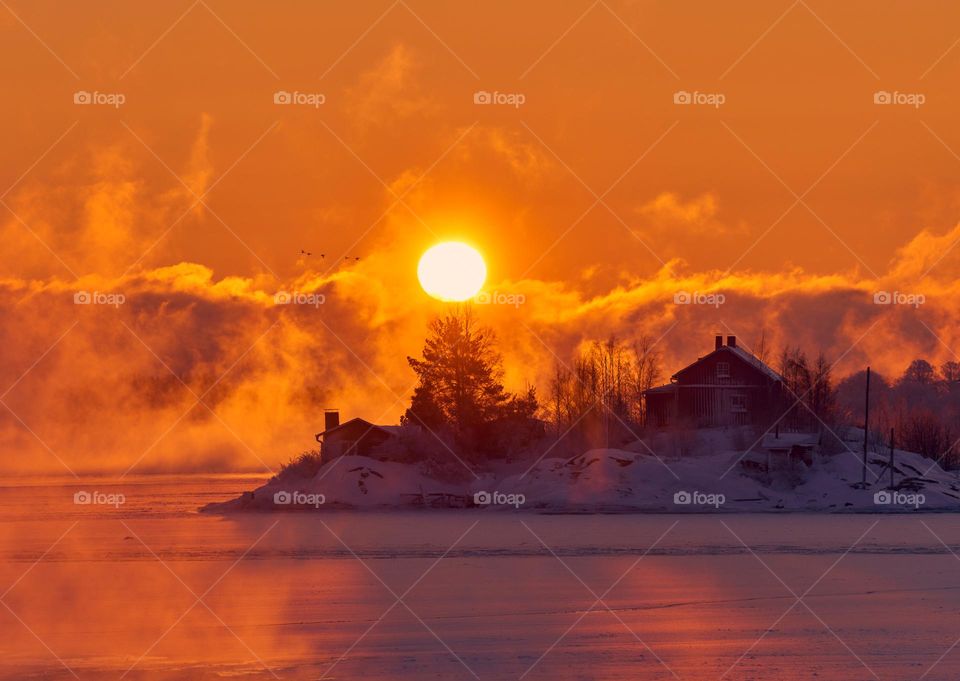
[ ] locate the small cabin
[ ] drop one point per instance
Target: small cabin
(779, 450)
(729, 386)
(356, 437)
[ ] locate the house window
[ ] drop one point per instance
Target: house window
(738, 402)
(723, 369)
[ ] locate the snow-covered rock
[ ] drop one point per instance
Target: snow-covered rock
(616, 480)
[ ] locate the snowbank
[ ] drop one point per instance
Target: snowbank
(615, 480)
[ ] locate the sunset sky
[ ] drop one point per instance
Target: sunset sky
(595, 201)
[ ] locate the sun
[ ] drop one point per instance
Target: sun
(452, 271)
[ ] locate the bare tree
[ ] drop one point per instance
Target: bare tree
(762, 349)
(950, 371)
(561, 396)
(608, 379)
(646, 374)
(822, 398)
(920, 371)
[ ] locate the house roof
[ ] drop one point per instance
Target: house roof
(666, 388)
(742, 354)
(755, 361)
(389, 430)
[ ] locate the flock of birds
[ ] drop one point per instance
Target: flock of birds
(307, 254)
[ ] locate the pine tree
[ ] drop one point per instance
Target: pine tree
(460, 378)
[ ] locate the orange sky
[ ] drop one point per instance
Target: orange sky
(597, 200)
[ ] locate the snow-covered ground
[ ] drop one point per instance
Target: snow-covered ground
(708, 478)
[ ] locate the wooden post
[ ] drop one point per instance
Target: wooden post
(891, 458)
(866, 427)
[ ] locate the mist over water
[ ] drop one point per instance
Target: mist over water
(290, 593)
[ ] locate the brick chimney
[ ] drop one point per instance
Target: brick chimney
(732, 341)
(719, 342)
(331, 419)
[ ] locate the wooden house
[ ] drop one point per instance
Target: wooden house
(356, 437)
(729, 386)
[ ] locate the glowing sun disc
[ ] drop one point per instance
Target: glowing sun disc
(452, 271)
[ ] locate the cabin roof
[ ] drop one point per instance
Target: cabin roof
(666, 388)
(743, 355)
(389, 430)
(756, 362)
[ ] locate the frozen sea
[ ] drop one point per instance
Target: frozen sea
(151, 589)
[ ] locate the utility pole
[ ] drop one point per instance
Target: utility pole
(866, 427)
(891, 458)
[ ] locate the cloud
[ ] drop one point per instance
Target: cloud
(200, 169)
(98, 212)
(199, 369)
(124, 381)
(389, 91)
(925, 252)
(526, 160)
(669, 212)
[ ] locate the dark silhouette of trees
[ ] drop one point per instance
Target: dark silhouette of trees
(921, 430)
(950, 371)
(811, 384)
(646, 373)
(762, 349)
(601, 398)
(822, 398)
(460, 391)
(922, 405)
(920, 371)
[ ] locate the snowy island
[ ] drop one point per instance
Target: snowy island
(777, 474)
